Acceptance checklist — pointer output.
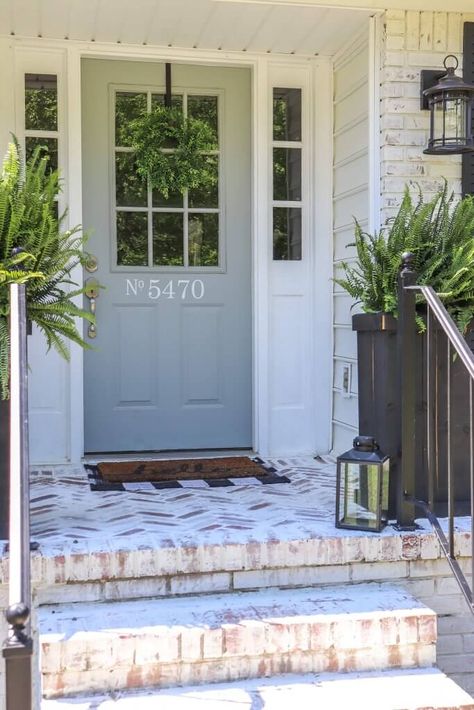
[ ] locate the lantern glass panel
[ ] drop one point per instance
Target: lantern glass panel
(363, 501)
(449, 120)
(450, 132)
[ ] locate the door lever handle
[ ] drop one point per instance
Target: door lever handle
(91, 290)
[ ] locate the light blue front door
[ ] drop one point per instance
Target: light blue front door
(171, 368)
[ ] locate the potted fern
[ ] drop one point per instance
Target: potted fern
(440, 233)
(28, 220)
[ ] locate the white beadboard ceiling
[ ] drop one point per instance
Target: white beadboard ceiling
(203, 24)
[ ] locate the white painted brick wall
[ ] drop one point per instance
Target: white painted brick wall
(413, 41)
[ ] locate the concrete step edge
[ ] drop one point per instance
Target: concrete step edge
(388, 690)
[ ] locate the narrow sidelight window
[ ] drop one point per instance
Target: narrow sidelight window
(287, 174)
(41, 116)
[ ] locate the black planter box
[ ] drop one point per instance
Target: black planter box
(378, 387)
(379, 407)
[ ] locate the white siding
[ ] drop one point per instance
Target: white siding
(350, 199)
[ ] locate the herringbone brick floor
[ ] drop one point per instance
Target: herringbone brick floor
(66, 512)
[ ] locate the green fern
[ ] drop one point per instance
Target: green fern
(28, 219)
(440, 233)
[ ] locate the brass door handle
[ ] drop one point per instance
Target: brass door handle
(91, 290)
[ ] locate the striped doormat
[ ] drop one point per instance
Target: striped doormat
(182, 473)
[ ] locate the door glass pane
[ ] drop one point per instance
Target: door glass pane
(287, 174)
(168, 239)
(205, 109)
(175, 199)
(207, 196)
(159, 100)
(203, 239)
(49, 147)
(41, 102)
(128, 105)
(286, 114)
(176, 102)
(287, 233)
(132, 239)
(130, 187)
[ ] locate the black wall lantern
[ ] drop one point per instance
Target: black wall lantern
(362, 487)
(449, 100)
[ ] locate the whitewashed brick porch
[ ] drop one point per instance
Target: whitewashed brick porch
(168, 642)
(105, 547)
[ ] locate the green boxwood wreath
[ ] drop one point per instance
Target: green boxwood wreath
(170, 150)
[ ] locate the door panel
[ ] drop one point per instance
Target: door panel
(201, 332)
(171, 365)
(135, 325)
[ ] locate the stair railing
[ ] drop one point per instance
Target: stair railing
(18, 647)
(457, 349)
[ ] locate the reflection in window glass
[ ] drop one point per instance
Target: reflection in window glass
(287, 174)
(205, 109)
(128, 105)
(41, 102)
(175, 199)
(181, 230)
(159, 100)
(203, 239)
(132, 239)
(176, 102)
(286, 114)
(130, 187)
(49, 148)
(287, 233)
(168, 239)
(207, 196)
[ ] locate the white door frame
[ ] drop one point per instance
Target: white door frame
(259, 264)
(321, 267)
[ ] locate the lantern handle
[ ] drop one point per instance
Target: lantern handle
(450, 56)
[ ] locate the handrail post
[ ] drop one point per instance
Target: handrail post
(18, 648)
(406, 352)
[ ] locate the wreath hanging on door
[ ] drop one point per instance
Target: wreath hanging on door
(170, 150)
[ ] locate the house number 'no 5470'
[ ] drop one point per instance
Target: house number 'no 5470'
(161, 288)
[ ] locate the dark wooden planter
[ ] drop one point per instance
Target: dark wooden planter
(378, 387)
(379, 406)
(4, 467)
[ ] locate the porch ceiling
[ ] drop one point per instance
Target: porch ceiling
(203, 24)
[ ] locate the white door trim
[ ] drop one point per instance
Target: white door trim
(258, 224)
(74, 189)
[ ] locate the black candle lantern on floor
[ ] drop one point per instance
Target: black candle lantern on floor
(449, 100)
(362, 487)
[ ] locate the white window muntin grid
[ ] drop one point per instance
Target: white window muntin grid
(149, 209)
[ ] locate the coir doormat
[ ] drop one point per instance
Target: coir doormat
(182, 473)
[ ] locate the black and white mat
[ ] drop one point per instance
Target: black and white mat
(271, 477)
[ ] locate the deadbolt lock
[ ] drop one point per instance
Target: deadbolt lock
(91, 263)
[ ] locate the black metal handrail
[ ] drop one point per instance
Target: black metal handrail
(18, 648)
(456, 350)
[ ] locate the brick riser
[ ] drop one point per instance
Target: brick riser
(169, 655)
(230, 669)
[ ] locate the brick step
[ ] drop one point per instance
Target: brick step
(99, 647)
(387, 690)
